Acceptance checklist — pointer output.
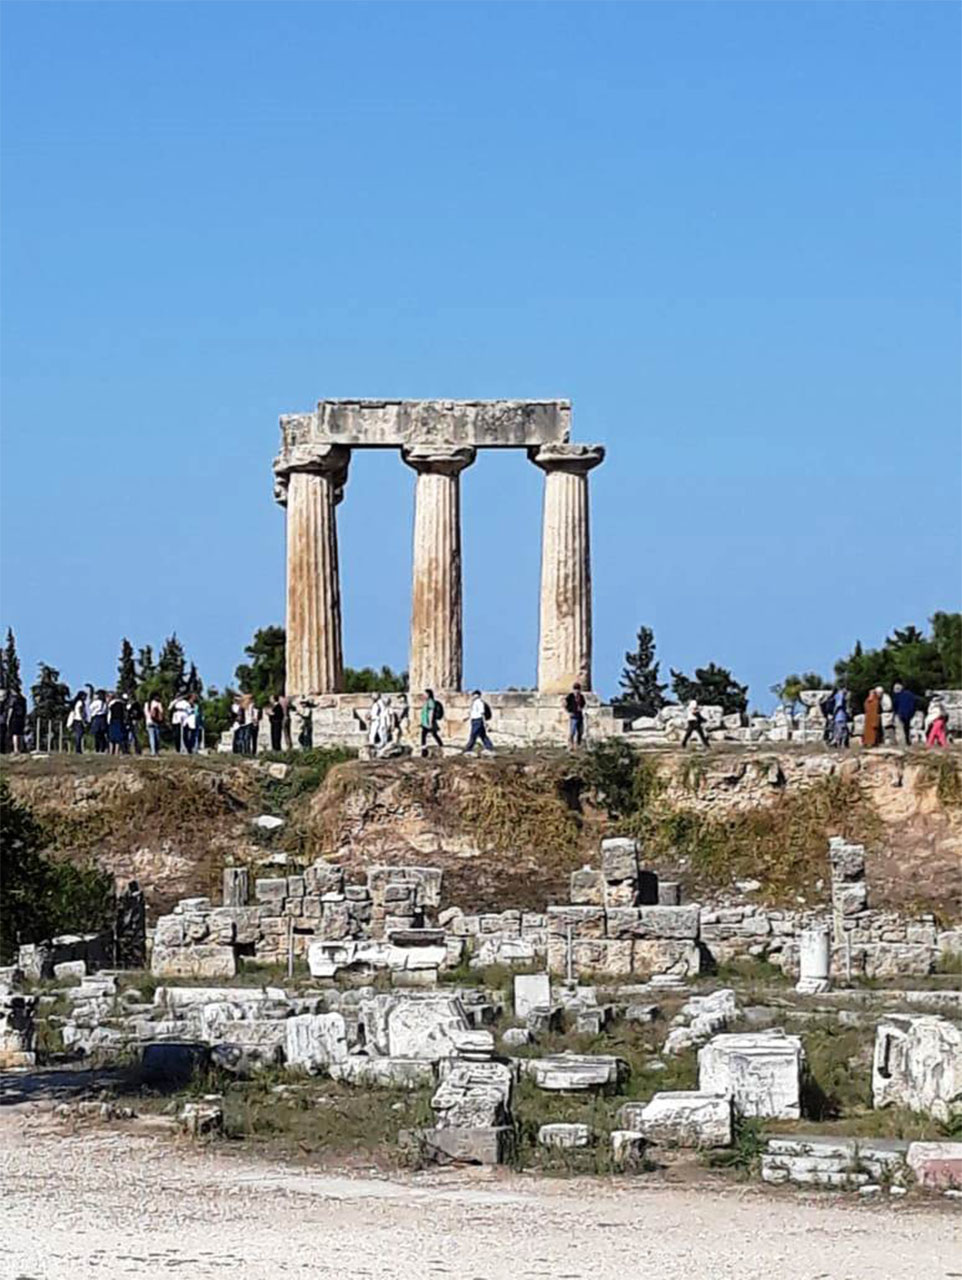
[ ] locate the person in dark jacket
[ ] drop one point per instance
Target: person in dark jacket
(904, 704)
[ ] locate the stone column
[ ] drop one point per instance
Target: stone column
(436, 629)
(564, 643)
(311, 486)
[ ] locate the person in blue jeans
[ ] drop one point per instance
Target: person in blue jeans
(480, 713)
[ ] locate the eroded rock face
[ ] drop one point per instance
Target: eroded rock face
(918, 1064)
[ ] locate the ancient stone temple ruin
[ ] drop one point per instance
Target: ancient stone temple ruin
(438, 439)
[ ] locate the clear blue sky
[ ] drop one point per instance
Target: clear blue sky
(728, 232)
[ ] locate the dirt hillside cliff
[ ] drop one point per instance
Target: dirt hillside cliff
(508, 831)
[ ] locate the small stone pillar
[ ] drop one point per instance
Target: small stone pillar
(436, 608)
(564, 643)
(310, 483)
(236, 886)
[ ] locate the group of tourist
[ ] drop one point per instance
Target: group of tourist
(887, 718)
(113, 721)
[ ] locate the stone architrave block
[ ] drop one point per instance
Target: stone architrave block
(917, 1064)
(681, 1119)
(312, 1041)
(477, 1145)
(531, 991)
(759, 1071)
(619, 858)
(936, 1165)
(584, 922)
(587, 888)
(666, 956)
(383, 1073)
(669, 922)
(206, 960)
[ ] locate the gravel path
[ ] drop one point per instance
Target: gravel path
(103, 1203)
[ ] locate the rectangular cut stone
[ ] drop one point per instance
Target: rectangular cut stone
(621, 893)
(587, 888)
(619, 858)
(918, 1064)
(760, 1072)
(383, 1073)
(271, 890)
(413, 1026)
(564, 1135)
(668, 922)
(684, 1119)
(476, 1145)
(576, 1073)
(204, 961)
(387, 424)
(531, 991)
(474, 1095)
(314, 1040)
(672, 956)
(585, 922)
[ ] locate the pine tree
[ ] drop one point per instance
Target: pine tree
(11, 665)
(194, 682)
(126, 670)
(712, 687)
(51, 697)
(170, 668)
(639, 679)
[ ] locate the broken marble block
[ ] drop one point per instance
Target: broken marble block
(918, 1065)
(413, 1025)
(619, 859)
(936, 1165)
(759, 1071)
(577, 1073)
(681, 1119)
(203, 1118)
(566, 1136)
(587, 888)
(203, 960)
(627, 1148)
(531, 991)
(383, 1073)
(474, 1095)
(478, 1145)
(314, 1040)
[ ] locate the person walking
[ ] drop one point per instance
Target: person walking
(936, 722)
(694, 723)
(480, 715)
(904, 704)
(253, 717)
(179, 710)
(840, 723)
(117, 725)
(872, 725)
(77, 721)
(194, 725)
(98, 720)
(16, 721)
(131, 716)
(153, 718)
(575, 706)
(432, 713)
(275, 718)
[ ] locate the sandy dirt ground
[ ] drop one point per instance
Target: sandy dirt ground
(104, 1202)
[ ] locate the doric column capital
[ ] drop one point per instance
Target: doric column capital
(576, 459)
(445, 460)
(330, 460)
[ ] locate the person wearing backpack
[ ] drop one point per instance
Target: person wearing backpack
(575, 706)
(153, 718)
(480, 714)
(432, 713)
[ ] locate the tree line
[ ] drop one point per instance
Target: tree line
(920, 662)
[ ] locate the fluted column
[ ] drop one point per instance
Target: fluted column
(564, 639)
(436, 626)
(310, 487)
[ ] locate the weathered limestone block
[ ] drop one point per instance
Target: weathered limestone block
(584, 922)
(203, 1118)
(169, 931)
(759, 1071)
(314, 1040)
(654, 956)
(936, 1165)
(531, 991)
(475, 1145)
(426, 883)
(236, 886)
(206, 960)
(413, 1025)
(577, 1073)
(384, 1073)
(669, 893)
(474, 1095)
(668, 922)
(180, 999)
(619, 858)
(918, 1064)
(587, 888)
(323, 877)
(565, 1136)
(681, 1119)
(271, 890)
(847, 860)
(627, 1148)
